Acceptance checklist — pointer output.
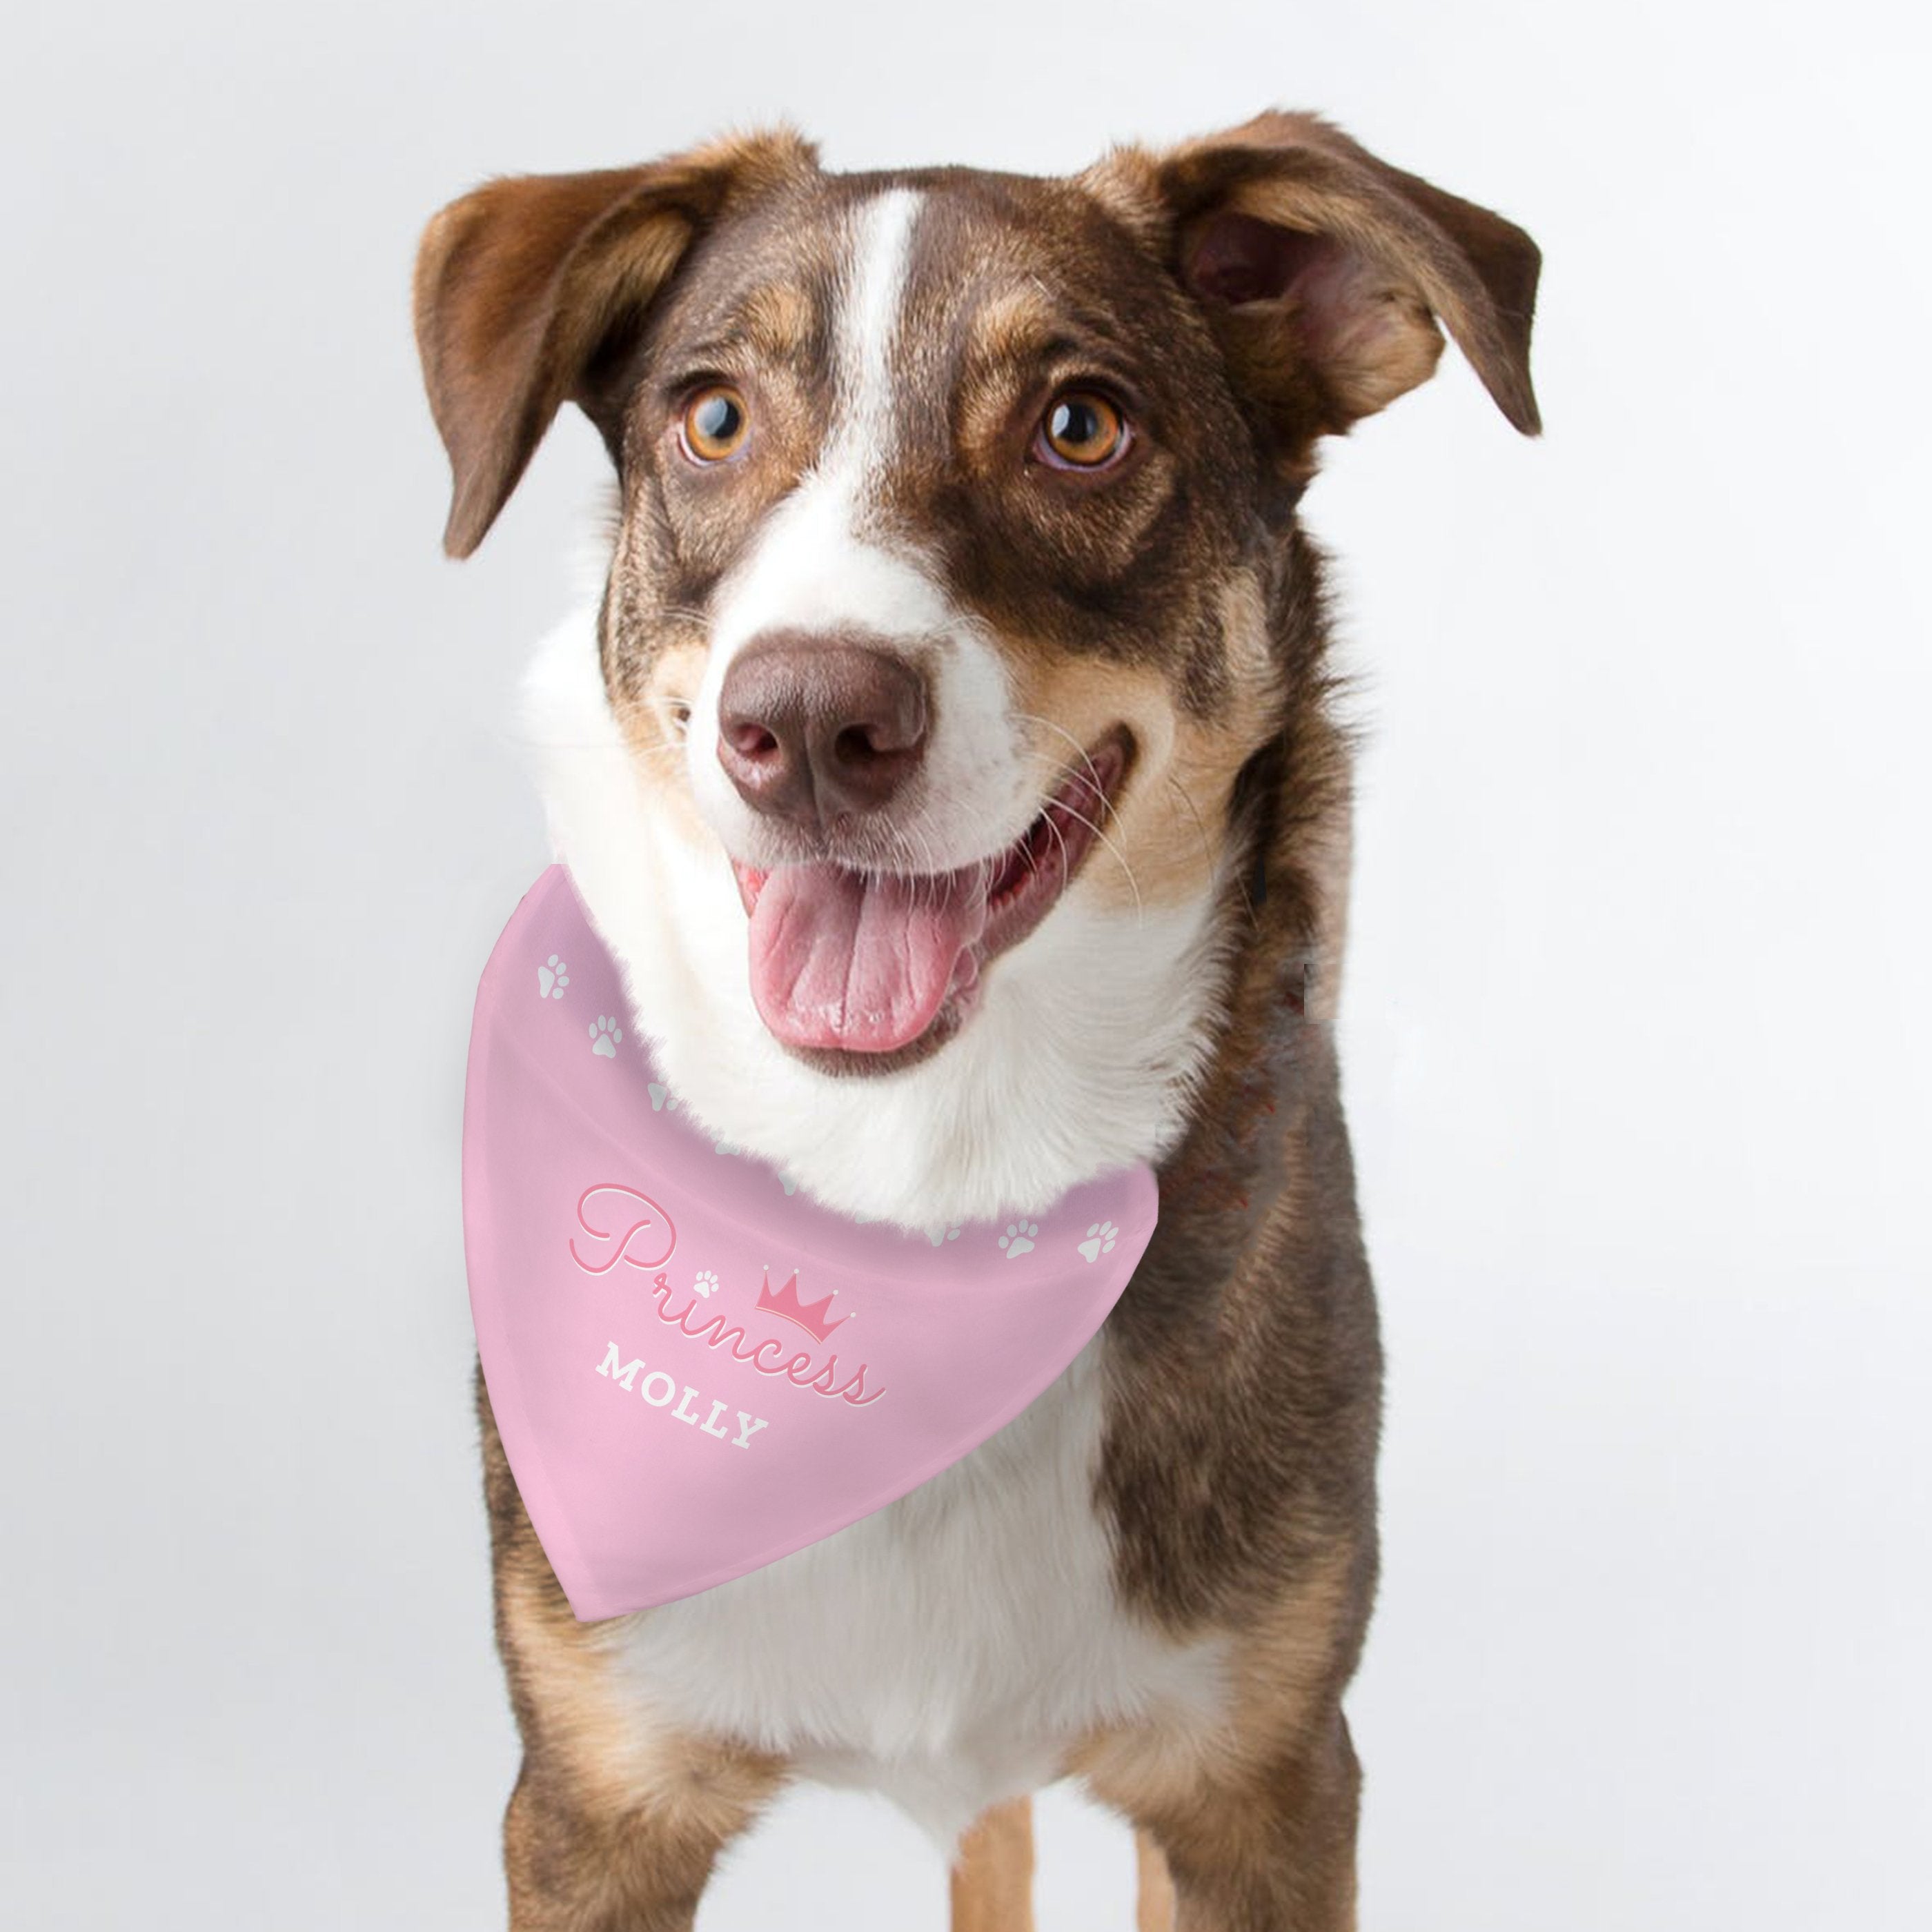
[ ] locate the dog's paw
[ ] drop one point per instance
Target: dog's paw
(552, 979)
(1100, 1240)
(706, 1284)
(1018, 1240)
(604, 1035)
(939, 1234)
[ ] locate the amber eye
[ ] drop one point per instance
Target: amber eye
(1081, 431)
(716, 422)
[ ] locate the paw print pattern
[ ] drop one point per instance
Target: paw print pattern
(940, 1235)
(1018, 1240)
(706, 1284)
(552, 979)
(604, 1034)
(1100, 1240)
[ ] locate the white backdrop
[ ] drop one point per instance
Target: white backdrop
(1636, 1040)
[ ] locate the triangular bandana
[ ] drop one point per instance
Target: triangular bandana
(695, 1370)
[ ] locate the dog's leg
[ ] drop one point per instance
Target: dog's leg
(1266, 1846)
(1153, 1888)
(1247, 1820)
(992, 1877)
(617, 1818)
(572, 1869)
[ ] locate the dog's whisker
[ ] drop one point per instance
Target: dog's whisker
(1066, 864)
(1207, 849)
(1119, 858)
(929, 867)
(1085, 756)
(531, 742)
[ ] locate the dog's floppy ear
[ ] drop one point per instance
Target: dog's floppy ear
(1324, 272)
(531, 288)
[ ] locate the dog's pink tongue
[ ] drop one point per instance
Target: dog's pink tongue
(839, 959)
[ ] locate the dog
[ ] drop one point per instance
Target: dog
(952, 764)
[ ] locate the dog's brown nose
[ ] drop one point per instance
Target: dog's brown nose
(813, 728)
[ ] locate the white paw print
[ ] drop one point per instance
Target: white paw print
(552, 979)
(939, 1235)
(604, 1035)
(1100, 1240)
(706, 1284)
(1018, 1240)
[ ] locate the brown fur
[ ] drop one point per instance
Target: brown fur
(1246, 294)
(1153, 1887)
(992, 1876)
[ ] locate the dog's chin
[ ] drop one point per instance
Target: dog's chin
(861, 972)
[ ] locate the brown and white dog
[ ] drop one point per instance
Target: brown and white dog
(951, 765)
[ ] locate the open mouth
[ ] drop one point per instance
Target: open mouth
(887, 965)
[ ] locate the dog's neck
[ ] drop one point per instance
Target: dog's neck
(1088, 1054)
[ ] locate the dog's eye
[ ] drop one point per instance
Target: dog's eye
(715, 424)
(1081, 430)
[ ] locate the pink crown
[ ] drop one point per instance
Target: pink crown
(786, 1305)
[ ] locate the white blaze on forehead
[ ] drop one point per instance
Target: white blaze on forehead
(863, 426)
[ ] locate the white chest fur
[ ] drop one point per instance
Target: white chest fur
(946, 1651)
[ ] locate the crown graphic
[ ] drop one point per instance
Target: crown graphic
(786, 1305)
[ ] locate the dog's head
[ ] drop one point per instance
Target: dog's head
(955, 581)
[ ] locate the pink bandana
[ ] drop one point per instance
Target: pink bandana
(694, 1369)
